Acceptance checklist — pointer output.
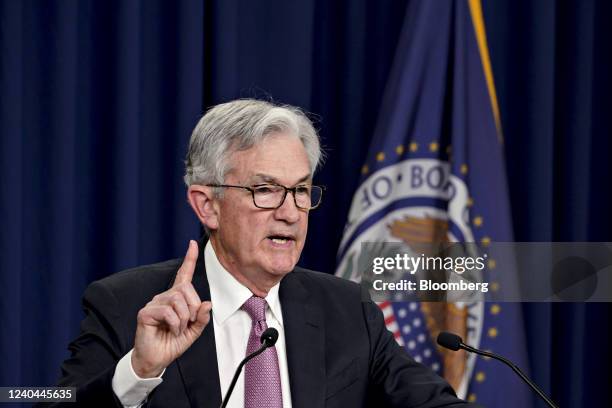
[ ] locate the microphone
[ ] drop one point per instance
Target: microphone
(453, 342)
(268, 339)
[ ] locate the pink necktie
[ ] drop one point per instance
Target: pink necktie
(262, 386)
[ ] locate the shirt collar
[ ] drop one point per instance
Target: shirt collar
(227, 294)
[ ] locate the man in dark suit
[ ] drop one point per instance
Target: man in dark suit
(149, 337)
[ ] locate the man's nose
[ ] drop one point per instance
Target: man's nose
(288, 211)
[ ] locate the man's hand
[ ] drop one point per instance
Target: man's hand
(170, 323)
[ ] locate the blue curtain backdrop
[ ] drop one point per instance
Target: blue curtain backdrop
(552, 63)
(98, 99)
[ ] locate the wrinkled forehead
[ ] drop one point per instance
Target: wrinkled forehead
(272, 179)
(279, 158)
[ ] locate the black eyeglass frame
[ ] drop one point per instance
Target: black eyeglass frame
(293, 190)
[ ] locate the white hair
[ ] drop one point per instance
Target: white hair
(239, 125)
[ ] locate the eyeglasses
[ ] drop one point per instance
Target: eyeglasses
(272, 196)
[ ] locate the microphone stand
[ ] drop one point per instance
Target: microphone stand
(268, 339)
(514, 367)
(237, 373)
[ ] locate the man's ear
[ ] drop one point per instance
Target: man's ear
(204, 205)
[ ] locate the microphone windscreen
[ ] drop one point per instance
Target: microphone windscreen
(269, 337)
(449, 340)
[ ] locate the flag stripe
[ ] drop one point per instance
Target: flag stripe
(481, 38)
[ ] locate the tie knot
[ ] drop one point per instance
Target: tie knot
(256, 308)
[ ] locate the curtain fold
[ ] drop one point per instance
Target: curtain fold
(98, 102)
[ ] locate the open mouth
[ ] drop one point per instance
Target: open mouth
(281, 239)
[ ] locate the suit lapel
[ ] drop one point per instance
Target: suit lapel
(305, 343)
(198, 365)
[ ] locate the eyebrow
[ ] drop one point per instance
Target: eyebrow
(270, 179)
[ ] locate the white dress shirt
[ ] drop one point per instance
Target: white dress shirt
(232, 328)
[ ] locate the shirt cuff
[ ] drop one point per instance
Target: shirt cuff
(132, 390)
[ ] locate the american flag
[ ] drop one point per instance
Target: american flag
(409, 327)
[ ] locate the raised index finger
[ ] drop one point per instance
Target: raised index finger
(185, 272)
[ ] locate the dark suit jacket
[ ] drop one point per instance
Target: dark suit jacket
(338, 350)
